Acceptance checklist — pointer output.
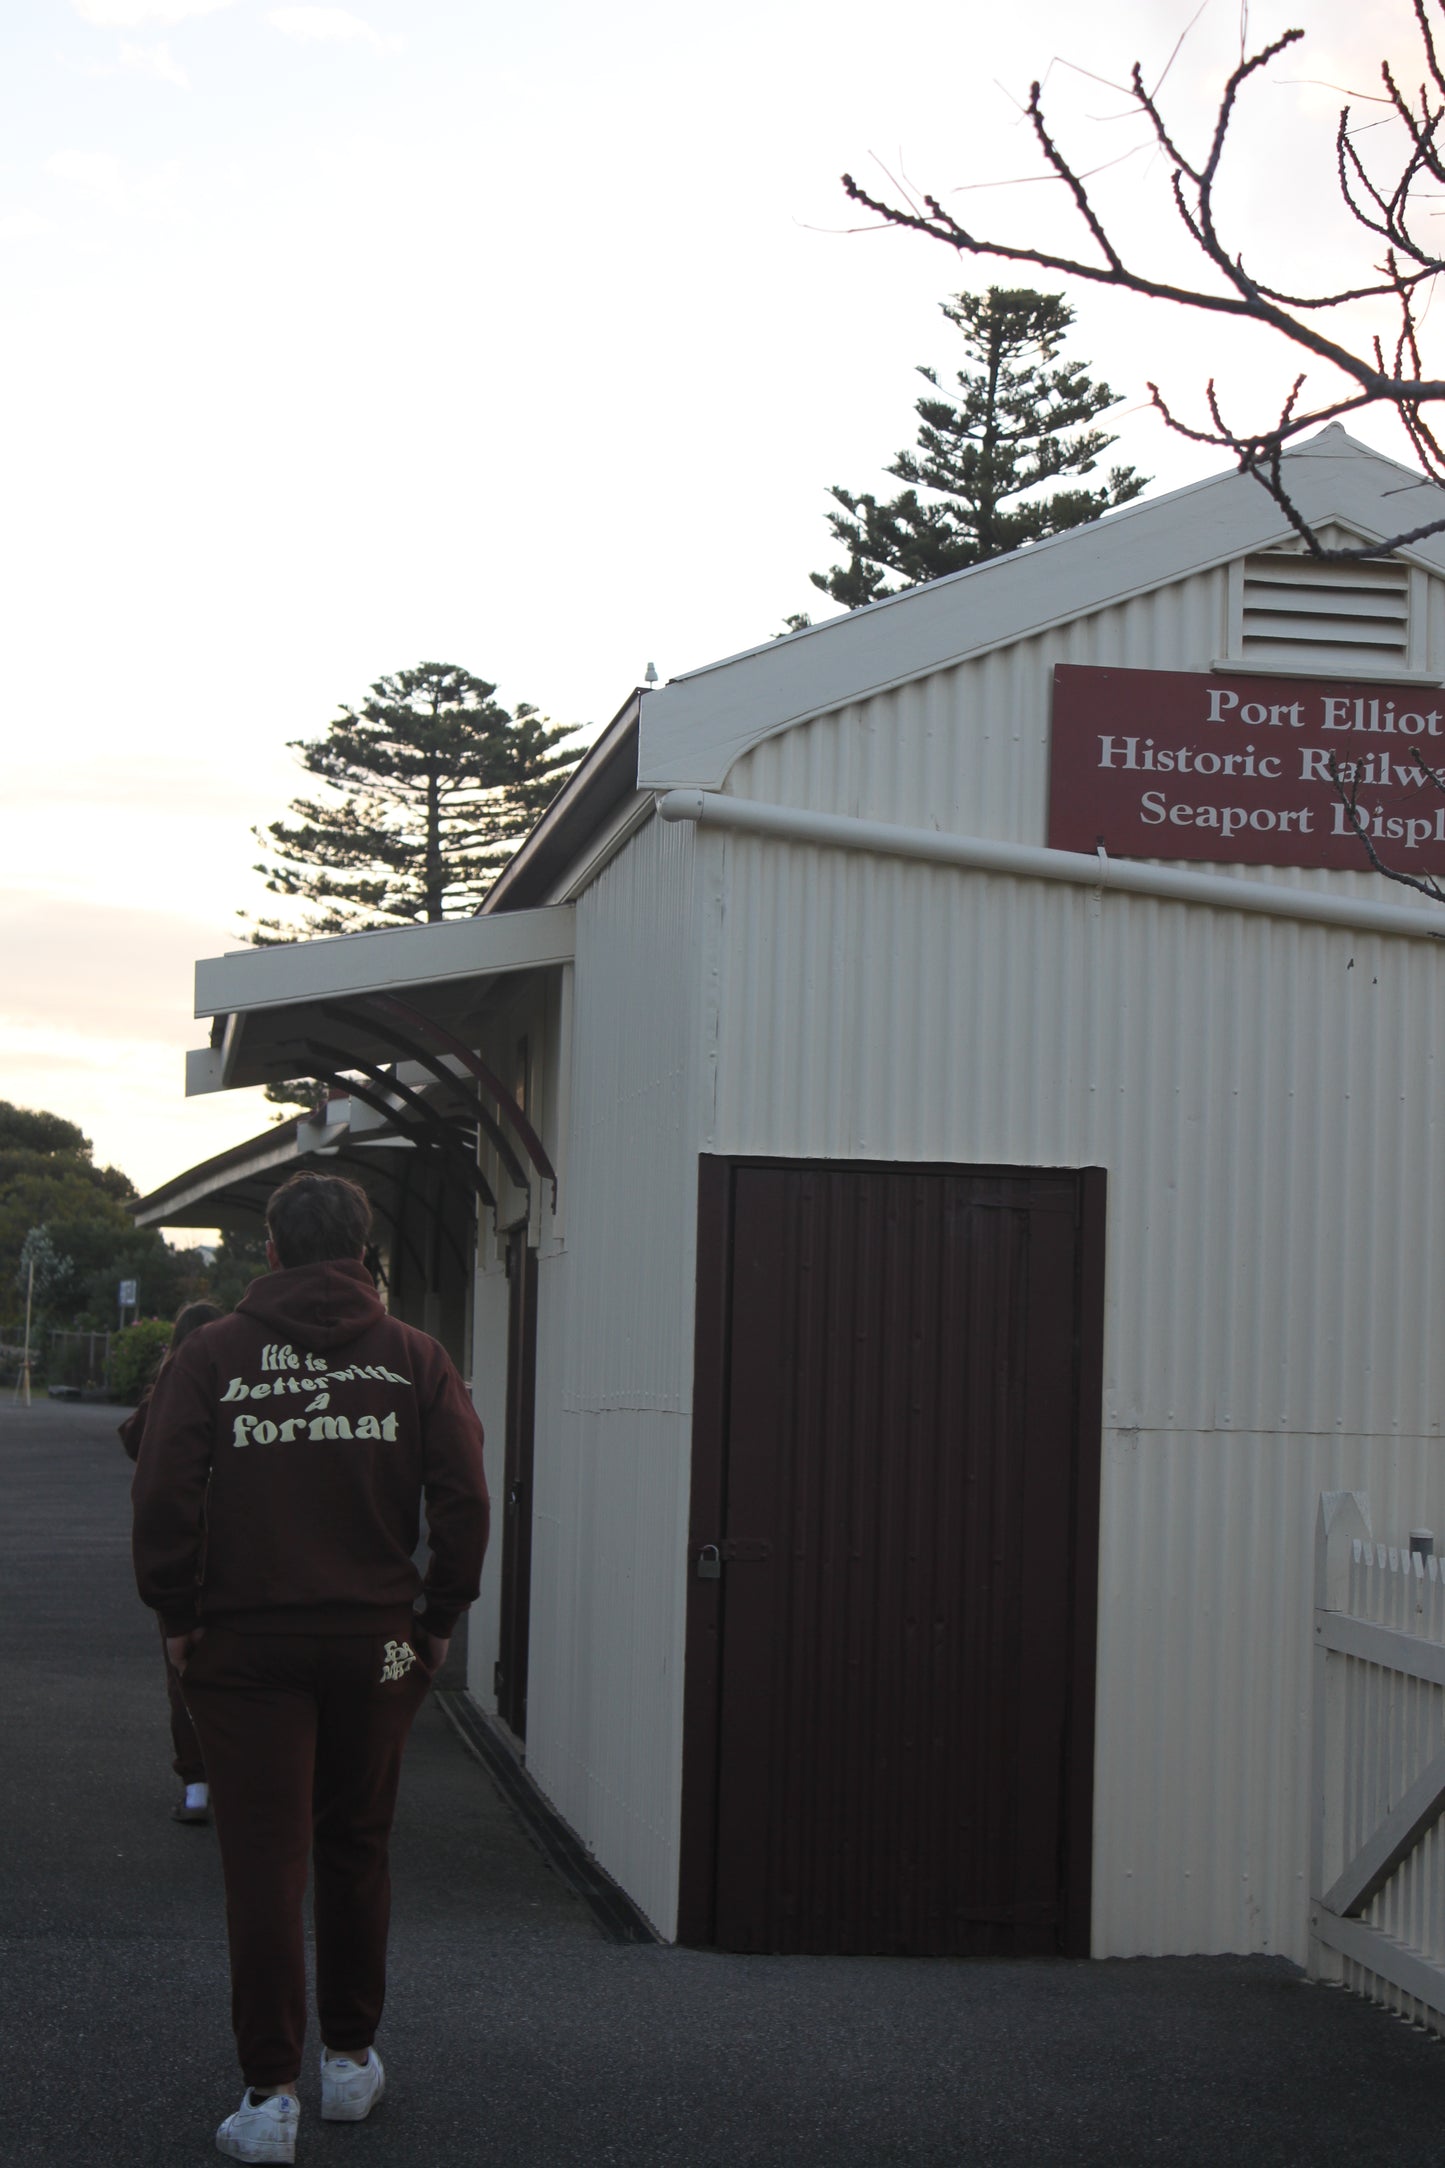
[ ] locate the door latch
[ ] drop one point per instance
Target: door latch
(712, 1557)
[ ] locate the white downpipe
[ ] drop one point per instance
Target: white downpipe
(840, 831)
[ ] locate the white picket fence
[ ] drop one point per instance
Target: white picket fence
(1377, 1847)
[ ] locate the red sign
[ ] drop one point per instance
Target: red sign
(1184, 764)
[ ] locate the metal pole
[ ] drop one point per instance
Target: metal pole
(23, 1382)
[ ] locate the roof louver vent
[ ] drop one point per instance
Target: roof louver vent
(1298, 611)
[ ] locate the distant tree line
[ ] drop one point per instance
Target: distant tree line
(73, 1220)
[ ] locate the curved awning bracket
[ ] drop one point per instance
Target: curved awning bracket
(507, 1108)
(405, 1045)
(332, 1065)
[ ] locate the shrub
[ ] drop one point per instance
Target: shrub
(135, 1357)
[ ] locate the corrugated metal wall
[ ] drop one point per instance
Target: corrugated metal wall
(1264, 1095)
(967, 749)
(614, 1372)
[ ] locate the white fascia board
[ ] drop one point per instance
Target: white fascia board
(696, 727)
(204, 1071)
(372, 963)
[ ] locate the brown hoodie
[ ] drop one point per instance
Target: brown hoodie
(286, 1453)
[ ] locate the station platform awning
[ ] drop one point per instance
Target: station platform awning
(230, 1190)
(273, 1010)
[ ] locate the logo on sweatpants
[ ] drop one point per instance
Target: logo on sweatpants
(400, 1656)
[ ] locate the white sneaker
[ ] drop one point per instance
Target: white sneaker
(261, 2129)
(350, 2090)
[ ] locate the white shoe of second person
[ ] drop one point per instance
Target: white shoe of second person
(349, 2089)
(261, 2129)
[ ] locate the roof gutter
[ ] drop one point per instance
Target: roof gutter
(980, 854)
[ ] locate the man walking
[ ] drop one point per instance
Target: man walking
(286, 1457)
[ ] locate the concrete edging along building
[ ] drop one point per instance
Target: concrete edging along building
(952, 1264)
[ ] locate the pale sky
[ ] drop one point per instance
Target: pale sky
(341, 338)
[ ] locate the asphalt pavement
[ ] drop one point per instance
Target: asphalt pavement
(517, 2035)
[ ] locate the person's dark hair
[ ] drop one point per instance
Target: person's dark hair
(315, 1218)
(191, 1315)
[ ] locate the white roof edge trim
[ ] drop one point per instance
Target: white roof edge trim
(1032, 861)
(362, 963)
(263, 1162)
(694, 729)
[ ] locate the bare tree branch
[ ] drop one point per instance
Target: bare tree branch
(1346, 778)
(1382, 374)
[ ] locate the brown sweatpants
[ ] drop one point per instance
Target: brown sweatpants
(303, 1737)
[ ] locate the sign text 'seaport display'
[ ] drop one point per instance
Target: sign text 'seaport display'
(1207, 765)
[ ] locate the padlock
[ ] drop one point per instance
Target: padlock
(709, 1563)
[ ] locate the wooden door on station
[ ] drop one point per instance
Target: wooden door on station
(903, 1630)
(516, 1529)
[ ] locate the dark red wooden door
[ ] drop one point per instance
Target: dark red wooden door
(898, 1675)
(510, 1676)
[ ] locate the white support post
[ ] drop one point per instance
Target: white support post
(1343, 1519)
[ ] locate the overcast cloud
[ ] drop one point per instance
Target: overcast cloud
(335, 26)
(140, 14)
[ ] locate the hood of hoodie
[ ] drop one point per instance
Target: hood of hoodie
(321, 1306)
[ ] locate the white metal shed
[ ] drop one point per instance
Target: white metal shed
(794, 951)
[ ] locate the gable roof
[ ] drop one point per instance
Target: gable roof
(693, 729)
